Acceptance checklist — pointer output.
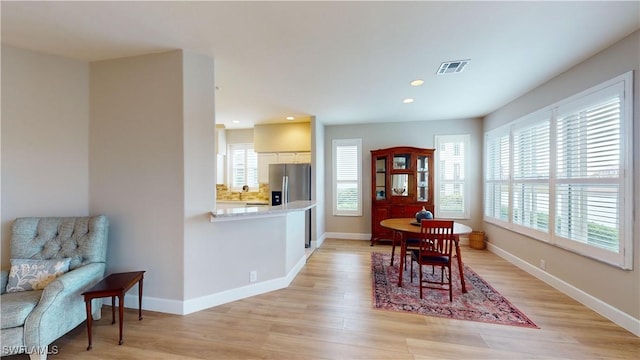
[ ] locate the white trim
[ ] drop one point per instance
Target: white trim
(348, 236)
(204, 302)
(617, 316)
(320, 240)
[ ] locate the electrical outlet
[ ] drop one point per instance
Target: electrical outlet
(253, 276)
(543, 264)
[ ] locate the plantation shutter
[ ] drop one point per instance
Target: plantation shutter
(589, 171)
(530, 191)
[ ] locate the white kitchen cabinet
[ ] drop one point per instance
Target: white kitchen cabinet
(286, 158)
(264, 160)
(221, 140)
(303, 157)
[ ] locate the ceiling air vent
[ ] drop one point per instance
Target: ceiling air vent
(452, 67)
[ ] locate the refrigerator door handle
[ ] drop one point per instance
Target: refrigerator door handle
(285, 189)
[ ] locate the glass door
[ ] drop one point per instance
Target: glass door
(422, 182)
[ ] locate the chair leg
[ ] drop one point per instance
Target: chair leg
(450, 287)
(410, 267)
(420, 284)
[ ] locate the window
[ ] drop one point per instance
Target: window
(496, 192)
(243, 166)
(347, 177)
(530, 185)
(451, 182)
(578, 193)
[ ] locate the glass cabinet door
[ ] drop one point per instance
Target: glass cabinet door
(401, 161)
(422, 180)
(400, 185)
(381, 178)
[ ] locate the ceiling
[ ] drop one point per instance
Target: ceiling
(342, 62)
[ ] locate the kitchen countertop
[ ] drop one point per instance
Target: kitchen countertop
(248, 211)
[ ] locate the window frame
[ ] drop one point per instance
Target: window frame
(621, 86)
(439, 140)
(335, 144)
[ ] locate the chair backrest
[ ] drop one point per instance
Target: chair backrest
(436, 237)
(83, 239)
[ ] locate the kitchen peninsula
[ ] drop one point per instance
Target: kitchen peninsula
(245, 212)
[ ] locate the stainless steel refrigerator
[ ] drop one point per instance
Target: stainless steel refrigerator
(291, 182)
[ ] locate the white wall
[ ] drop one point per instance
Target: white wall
(379, 136)
(137, 167)
(318, 184)
(45, 141)
(617, 288)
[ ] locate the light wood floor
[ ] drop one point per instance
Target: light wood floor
(326, 313)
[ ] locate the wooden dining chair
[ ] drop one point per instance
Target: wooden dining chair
(436, 249)
(410, 243)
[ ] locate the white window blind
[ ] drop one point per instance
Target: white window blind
(347, 177)
(243, 163)
(530, 186)
(589, 173)
(497, 150)
(451, 181)
(563, 175)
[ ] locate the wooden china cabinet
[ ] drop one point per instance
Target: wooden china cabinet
(401, 184)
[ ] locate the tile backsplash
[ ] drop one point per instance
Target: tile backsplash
(223, 194)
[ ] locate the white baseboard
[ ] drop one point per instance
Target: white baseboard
(321, 240)
(208, 301)
(617, 316)
(348, 236)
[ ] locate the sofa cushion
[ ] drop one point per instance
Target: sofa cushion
(17, 306)
(29, 274)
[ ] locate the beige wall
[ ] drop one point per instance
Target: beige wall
(134, 140)
(290, 137)
(45, 141)
(378, 136)
(616, 287)
(137, 166)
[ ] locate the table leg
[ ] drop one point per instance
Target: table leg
(89, 321)
(121, 314)
(403, 251)
(113, 310)
(140, 298)
(460, 267)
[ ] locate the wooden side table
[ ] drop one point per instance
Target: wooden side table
(114, 285)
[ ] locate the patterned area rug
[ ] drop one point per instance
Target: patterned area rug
(481, 302)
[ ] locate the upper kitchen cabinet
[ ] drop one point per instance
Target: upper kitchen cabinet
(266, 159)
(221, 140)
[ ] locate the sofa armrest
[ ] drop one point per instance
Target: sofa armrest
(61, 307)
(4, 278)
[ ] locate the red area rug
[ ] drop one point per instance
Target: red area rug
(481, 302)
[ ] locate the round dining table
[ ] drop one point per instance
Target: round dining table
(406, 227)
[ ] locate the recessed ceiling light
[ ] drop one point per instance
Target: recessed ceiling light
(236, 121)
(290, 118)
(417, 82)
(407, 100)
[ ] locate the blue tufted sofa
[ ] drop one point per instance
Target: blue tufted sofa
(32, 320)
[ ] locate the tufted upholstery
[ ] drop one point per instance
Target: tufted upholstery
(55, 238)
(34, 319)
